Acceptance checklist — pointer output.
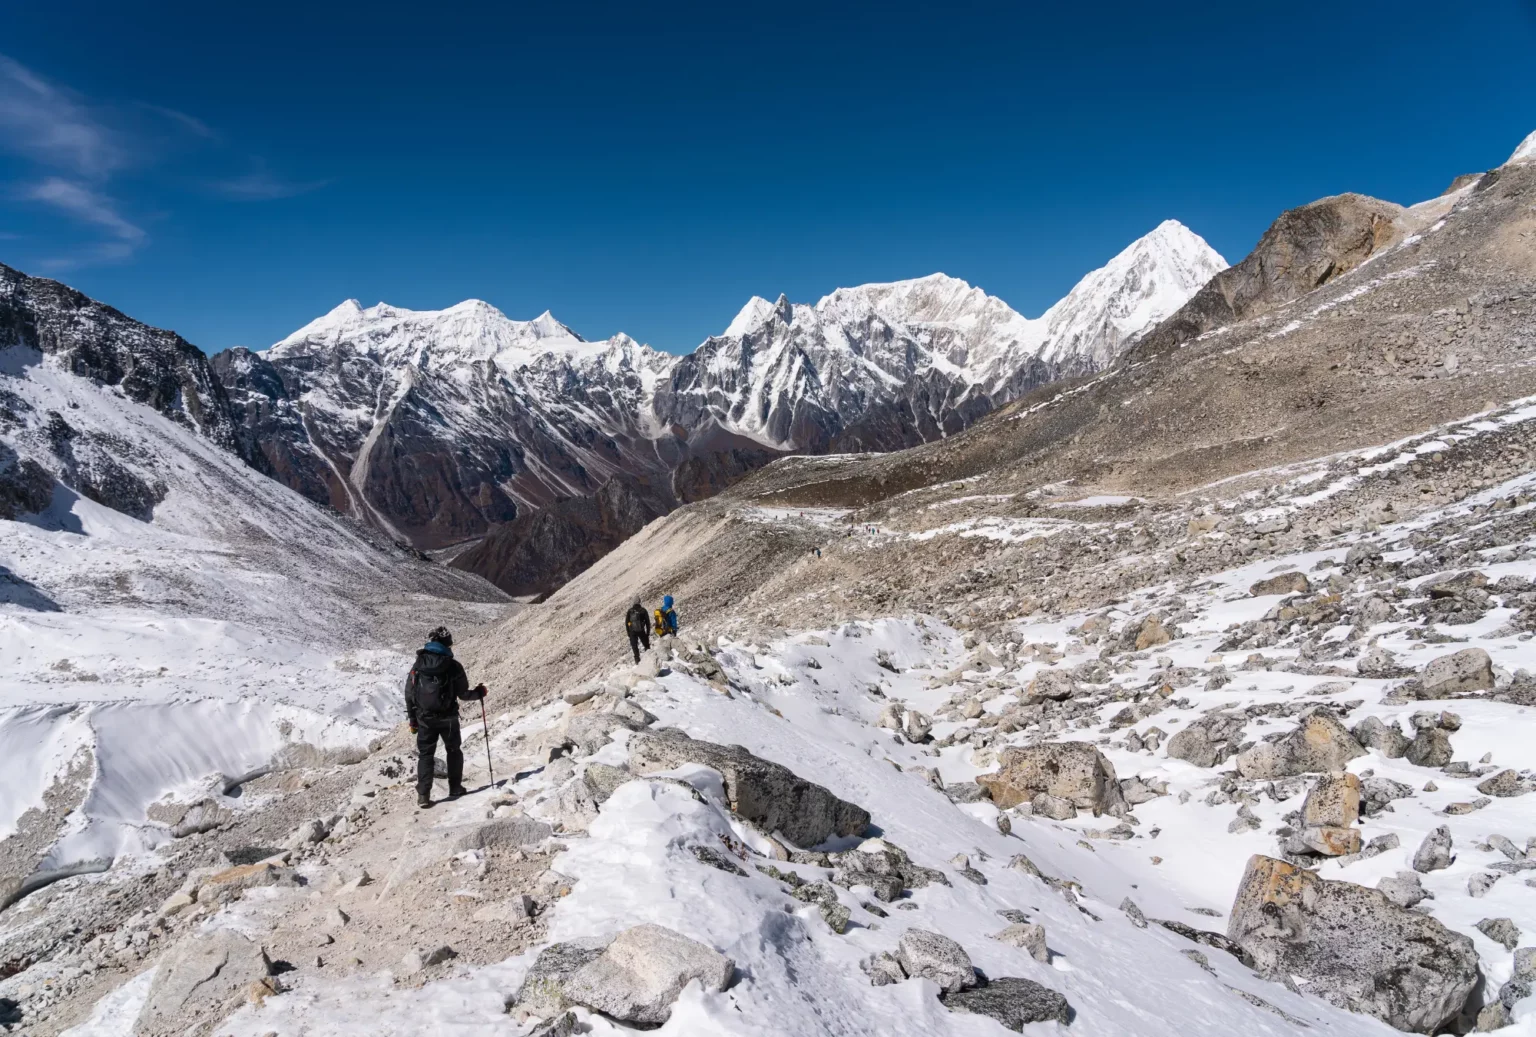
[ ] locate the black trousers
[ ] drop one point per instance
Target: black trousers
(636, 640)
(428, 730)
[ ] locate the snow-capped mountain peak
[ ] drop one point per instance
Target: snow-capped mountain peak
(1150, 279)
(1526, 152)
(469, 331)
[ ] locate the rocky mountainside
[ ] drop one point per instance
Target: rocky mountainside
(1152, 704)
(447, 427)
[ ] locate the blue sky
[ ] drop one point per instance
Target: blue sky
(232, 171)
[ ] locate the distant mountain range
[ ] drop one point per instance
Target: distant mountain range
(524, 452)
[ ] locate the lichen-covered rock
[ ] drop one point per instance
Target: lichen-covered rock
(1504, 784)
(764, 792)
(1210, 740)
(1334, 801)
(1470, 669)
(1073, 771)
(935, 956)
(1318, 743)
(1404, 889)
(639, 975)
(1055, 685)
(1013, 1002)
(1387, 739)
(1354, 947)
(542, 993)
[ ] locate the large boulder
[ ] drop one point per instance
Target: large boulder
(641, 973)
(542, 993)
(203, 980)
(1353, 946)
(1012, 1001)
(1319, 743)
(765, 793)
(1210, 740)
(935, 956)
(1073, 771)
(1470, 669)
(1285, 583)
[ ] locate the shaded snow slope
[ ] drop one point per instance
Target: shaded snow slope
(229, 619)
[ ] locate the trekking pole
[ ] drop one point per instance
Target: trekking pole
(486, 727)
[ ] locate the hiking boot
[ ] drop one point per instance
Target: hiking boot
(455, 791)
(423, 800)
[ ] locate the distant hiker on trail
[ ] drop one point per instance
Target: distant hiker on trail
(666, 618)
(638, 628)
(432, 692)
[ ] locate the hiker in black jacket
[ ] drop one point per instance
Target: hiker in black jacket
(432, 692)
(638, 625)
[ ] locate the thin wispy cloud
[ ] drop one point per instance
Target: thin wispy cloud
(190, 123)
(79, 149)
(87, 206)
(52, 127)
(262, 186)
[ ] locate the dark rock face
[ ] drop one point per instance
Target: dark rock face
(765, 793)
(157, 368)
(544, 548)
(1302, 250)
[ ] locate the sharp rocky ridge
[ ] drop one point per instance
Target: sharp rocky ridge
(524, 451)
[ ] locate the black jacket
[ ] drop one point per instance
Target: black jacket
(444, 666)
(636, 621)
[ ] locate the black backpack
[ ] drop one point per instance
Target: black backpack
(636, 621)
(433, 692)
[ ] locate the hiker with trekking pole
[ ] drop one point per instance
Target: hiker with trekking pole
(433, 690)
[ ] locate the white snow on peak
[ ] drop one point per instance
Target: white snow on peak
(752, 316)
(470, 331)
(1526, 152)
(1139, 288)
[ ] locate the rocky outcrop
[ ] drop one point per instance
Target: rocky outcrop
(639, 975)
(1305, 248)
(157, 368)
(204, 979)
(1319, 743)
(1353, 946)
(1075, 772)
(1467, 670)
(766, 793)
